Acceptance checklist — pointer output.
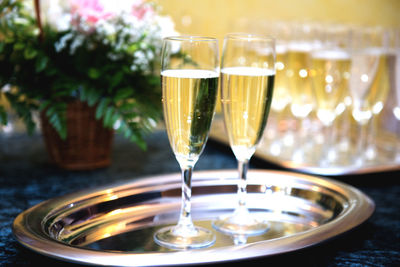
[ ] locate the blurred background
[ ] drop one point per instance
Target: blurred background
(216, 18)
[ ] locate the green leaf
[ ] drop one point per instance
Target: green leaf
(123, 93)
(132, 48)
(127, 106)
(41, 63)
(83, 95)
(116, 79)
(51, 110)
(57, 121)
(30, 53)
(92, 97)
(137, 139)
(19, 46)
(107, 118)
(115, 117)
(44, 105)
(102, 107)
(94, 73)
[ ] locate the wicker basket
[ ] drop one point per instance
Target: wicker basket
(88, 143)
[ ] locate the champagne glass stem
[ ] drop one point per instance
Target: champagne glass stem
(278, 138)
(371, 149)
(361, 144)
(299, 145)
(185, 234)
(327, 146)
(345, 125)
(185, 222)
(332, 153)
(243, 166)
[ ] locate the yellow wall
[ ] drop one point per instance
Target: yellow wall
(216, 17)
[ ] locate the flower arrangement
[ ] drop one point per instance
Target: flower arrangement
(104, 53)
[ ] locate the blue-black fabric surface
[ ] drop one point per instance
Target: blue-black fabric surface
(27, 178)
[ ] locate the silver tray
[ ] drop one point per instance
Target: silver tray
(114, 225)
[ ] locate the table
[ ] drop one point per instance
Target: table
(27, 178)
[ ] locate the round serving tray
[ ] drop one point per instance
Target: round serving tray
(114, 225)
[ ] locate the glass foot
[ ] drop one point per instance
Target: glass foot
(249, 226)
(175, 238)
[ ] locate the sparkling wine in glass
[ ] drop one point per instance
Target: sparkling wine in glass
(247, 80)
(368, 69)
(330, 74)
(394, 76)
(305, 38)
(189, 74)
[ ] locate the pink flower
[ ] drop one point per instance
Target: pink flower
(89, 10)
(141, 10)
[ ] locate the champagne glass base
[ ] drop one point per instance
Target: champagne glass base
(250, 226)
(173, 238)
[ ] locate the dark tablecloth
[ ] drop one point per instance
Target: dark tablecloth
(27, 178)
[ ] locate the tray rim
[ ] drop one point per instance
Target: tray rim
(360, 210)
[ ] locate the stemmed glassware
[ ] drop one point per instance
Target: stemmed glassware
(305, 38)
(190, 74)
(396, 109)
(247, 79)
(281, 98)
(330, 73)
(368, 68)
(276, 134)
(380, 86)
(394, 74)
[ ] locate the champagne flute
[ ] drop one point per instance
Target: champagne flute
(330, 74)
(368, 65)
(396, 109)
(281, 99)
(394, 74)
(189, 73)
(305, 38)
(247, 79)
(380, 87)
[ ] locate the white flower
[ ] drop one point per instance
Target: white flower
(134, 67)
(54, 14)
(77, 41)
(106, 28)
(61, 44)
(167, 26)
(150, 55)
